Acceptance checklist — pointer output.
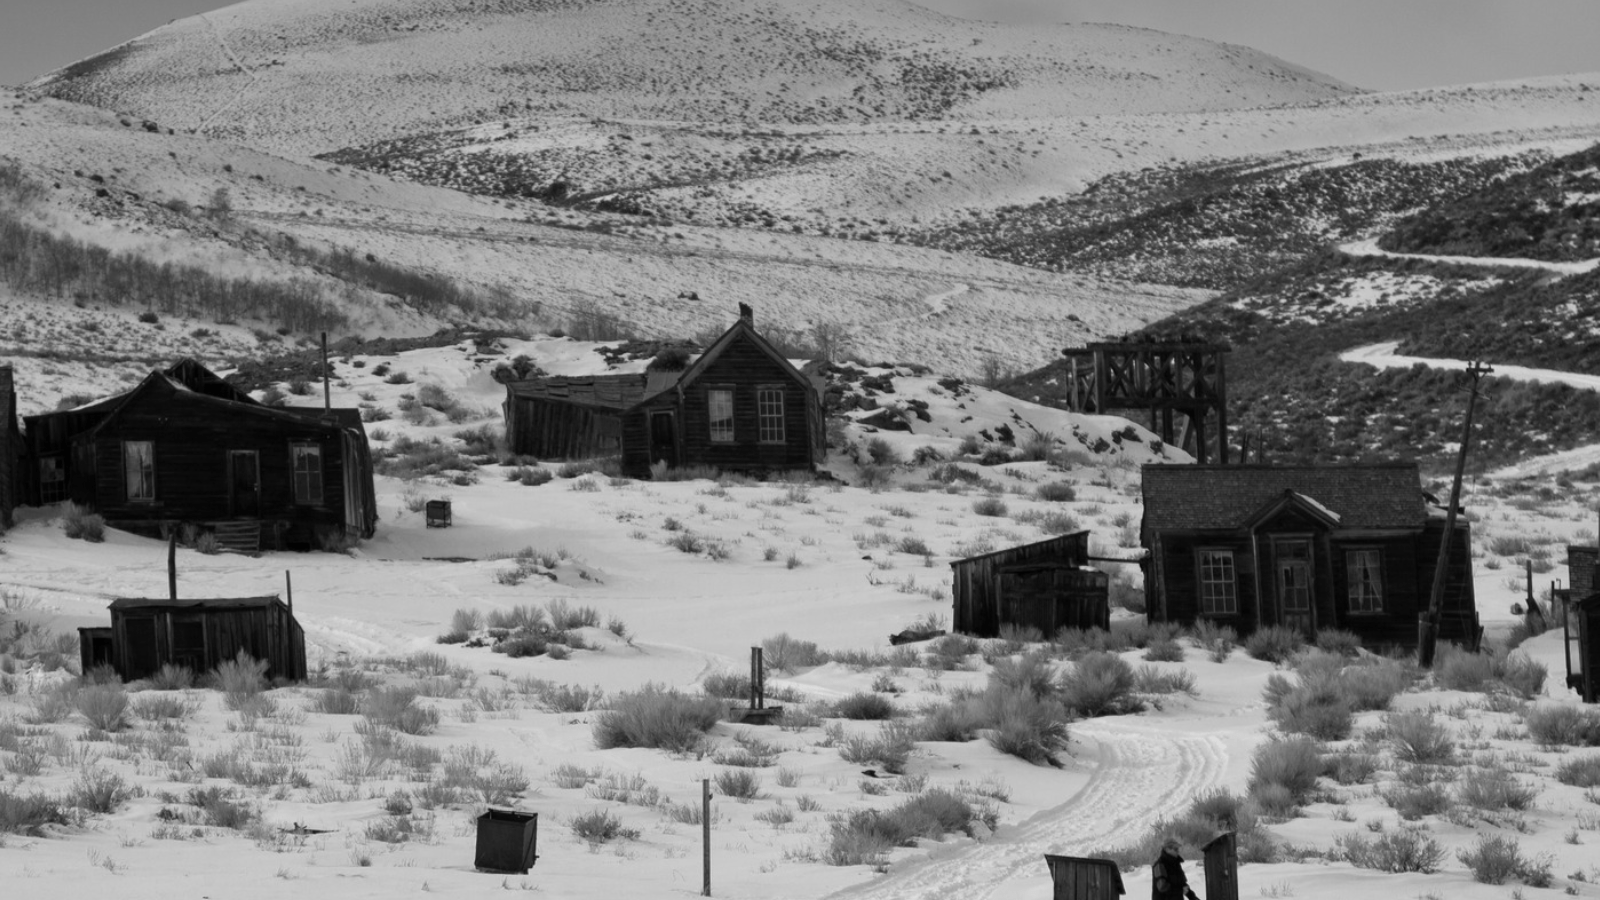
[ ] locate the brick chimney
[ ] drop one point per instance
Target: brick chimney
(1580, 570)
(10, 446)
(747, 314)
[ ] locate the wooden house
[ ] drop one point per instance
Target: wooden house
(739, 406)
(1308, 547)
(10, 448)
(1047, 585)
(199, 635)
(186, 447)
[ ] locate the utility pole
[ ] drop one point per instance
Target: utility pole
(1428, 622)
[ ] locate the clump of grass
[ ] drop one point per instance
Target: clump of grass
(1416, 737)
(738, 783)
(1407, 849)
(395, 707)
(891, 748)
(1100, 684)
(656, 717)
(1289, 766)
(863, 705)
(864, 836)
(83, 523)
(105, 706)
(1579, 771)
(989, 506)
(600, 826)
(241, 680)
(1564, 726)
(171, 678)
(1274, 643)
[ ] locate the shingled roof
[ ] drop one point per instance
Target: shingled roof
(1193, 498)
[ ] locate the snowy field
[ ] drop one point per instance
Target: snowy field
(828, 562)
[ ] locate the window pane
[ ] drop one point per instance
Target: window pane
(720, 404)
(1364, 568)
(307, 473)
(139, 466)
(1217, 592)
(770, 403)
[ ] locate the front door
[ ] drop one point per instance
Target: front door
(663, 439)
(1294, 584)
(244, 478)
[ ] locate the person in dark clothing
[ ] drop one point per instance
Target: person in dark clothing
(1169, 882)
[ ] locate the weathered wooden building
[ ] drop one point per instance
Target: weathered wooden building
(739, 406)
(1081, 878)
(199, 635)
(1047, 585)
(186, 447)
(1581, 625)
(1308, 547)
(10, 447)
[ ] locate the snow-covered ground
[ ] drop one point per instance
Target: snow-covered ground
(687, 616)
(1369, 247)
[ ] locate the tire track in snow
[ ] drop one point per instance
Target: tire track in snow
(1369, 247)
(1142, 777)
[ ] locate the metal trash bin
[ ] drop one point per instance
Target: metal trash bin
(507, 840)
(438, 513)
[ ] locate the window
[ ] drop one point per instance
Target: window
(1218, 593)
(1365, 568)
(52, 479)
(307, 465)
(769, 408)
(139, 469)
(719, 402)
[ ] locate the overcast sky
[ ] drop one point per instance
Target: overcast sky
(1380, 44)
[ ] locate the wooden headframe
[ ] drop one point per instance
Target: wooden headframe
(1186, 380)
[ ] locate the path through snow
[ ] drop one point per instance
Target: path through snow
(1142, 777)
(1369, 247)
(1383, 356)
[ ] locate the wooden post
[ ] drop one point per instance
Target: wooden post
(288, 591)
(705, 835)
(758, 681)
(172, 566)
(1428, 623)
(327, 401)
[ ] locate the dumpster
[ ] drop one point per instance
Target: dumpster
(507, 840)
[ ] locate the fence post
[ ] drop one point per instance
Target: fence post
(705, 834)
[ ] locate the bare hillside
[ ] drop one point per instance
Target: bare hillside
(307, 77)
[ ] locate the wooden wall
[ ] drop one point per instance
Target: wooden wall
(975, 582)
(1076, 878)
(146, 637)
(10, 448)
(192, 440)
(745, 368)
(549, 428)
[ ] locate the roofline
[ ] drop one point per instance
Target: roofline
(246, 408)
(1019, 547)
(1268, 467)
(720, 344)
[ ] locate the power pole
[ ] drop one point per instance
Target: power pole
(1428, 622)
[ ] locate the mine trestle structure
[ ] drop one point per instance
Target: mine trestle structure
(1182, 384)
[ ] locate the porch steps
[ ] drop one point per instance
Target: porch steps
(239, 537)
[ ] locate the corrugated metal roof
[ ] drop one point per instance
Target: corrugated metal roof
(1387, 495)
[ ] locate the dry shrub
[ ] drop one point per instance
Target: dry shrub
(1406, 849)
(657, 717)
(1100, 684)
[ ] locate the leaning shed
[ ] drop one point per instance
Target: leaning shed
(1047, 585)
(571, 418)
(198, 634)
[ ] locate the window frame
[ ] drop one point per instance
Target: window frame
(771, 427)
(729, 433)
(301, 493)
(146, 478)
(1206, 599)
(1376, 607)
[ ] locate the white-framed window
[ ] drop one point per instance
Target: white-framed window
(1365, 568)
(719, 406)
(139, 470)
(306, 463)
(769, 409)
(1219, 592)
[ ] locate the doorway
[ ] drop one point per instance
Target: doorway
(663, 439)
(1294, 584)
(244, 480)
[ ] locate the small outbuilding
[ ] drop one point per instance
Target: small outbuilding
(739, 406)
(199, 635)
(1047, 585)
(1306, 547)
(1080, 878)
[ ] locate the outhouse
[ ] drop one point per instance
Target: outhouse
(1078, 878)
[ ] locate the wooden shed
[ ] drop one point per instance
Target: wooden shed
(1078, 878)
(1581, 627)
(1047, 585)
(1306, 547)
(200, 634)
(186, 447)
(739, 406)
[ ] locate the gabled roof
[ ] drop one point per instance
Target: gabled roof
(189, 373)
(1194, 498)
(1293, 499)
(742, 327)
(159, 382)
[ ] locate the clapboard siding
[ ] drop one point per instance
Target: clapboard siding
(10, 448)
(202, 634)
(976, 581)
